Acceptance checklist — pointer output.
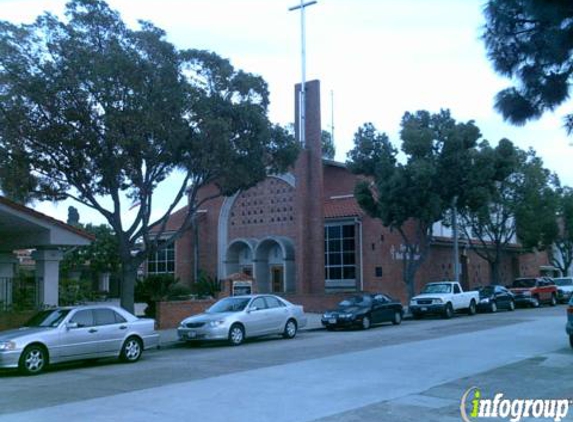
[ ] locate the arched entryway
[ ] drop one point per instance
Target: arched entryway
(274, 265)
(239, 257)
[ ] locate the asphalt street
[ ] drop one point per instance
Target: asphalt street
(416, 371)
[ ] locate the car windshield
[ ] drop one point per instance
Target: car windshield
(486, 291)
(438, 288)
(563, 281)
(524, 282)
(48, 318)
(229, 304)
(356, 301)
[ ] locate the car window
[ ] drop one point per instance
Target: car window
(107, 317)
(273, 302)
(456, 288)
(83, 318)
(259, 303)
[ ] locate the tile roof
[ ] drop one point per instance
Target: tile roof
(36, 214)
(342, 207)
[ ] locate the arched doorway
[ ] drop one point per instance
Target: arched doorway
(239, 257)
(274, 265)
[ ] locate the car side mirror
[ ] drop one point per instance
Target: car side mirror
(71, 325)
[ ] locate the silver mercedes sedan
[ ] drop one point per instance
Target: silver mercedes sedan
(74, 333)
(239, 317)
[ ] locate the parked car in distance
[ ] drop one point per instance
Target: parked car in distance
(443, 298)
(494, 297)
(569, 326)
(363, 310)
(564, 288)
(236, 318)
(534, 291)
(76, 333)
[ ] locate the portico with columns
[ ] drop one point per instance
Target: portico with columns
(24, 228)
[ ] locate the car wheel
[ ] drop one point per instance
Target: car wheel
(449, 311)
(236, 335)
(397, 318)
(535, 302)
(33, 360)
(511, 305)
(366, 322)
(553, 300)
(290, 329)
(493, 307)
(131, 350)
(472, 308)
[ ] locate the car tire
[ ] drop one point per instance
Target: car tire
(397, 320)
(290, 329)
(512, 305)
(535, 303)
(236, 335)
(131, 350)
(472, 308)
(448, 311)
(493, 307)
(33, 360)
(553, 300)
(366, 323)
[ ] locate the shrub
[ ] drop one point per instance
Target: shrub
(206, 286)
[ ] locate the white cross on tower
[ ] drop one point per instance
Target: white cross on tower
(301, 121)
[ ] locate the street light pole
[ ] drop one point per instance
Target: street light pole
(302, 115)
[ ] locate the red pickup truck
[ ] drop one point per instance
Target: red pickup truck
(534, 291)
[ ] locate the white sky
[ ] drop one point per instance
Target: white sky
(379, 57)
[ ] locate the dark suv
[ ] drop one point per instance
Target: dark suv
(534, 291)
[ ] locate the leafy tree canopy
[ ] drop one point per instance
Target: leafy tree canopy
(91, 109)
(328, 148)
(531, 41)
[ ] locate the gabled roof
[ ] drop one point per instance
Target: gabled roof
(344, 206)
(44, 218)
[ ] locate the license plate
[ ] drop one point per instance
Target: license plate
(332, 321)
(191, 334)
(424, 309)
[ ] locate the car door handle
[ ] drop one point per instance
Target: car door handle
(123, 327)
(92, 330)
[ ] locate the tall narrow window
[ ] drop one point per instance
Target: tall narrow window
(340, 253)
(163, 261)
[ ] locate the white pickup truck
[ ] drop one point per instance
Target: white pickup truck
(444, 298)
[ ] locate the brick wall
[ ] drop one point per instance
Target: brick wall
(170, 314)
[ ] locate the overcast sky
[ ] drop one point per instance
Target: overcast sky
(380, 58)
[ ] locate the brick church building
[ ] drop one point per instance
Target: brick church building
(303, 234)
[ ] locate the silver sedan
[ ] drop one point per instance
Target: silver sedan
(76, 333)
(239, 317)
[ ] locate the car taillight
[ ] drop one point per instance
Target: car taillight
(570, 310)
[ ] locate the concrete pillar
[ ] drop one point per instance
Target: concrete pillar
(7, 270)
(47, 275)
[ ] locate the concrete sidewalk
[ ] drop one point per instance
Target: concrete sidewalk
(168, 337)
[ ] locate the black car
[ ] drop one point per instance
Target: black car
(363, 310)
(492, 298)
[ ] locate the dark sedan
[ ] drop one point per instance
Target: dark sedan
(363, 310)
(492, 298)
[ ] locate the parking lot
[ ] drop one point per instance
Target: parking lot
(419, 369)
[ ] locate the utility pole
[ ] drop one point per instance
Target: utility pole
(302, 117)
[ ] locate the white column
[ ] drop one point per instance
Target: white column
(47, 275)
(7, 270)
(103, 282)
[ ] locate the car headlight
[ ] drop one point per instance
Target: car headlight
(413, 302)
(7, 345)
(346, 316)
(437, 301)
(527, 293)
(214, 324)
(484, 300)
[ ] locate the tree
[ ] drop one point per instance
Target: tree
(562, 252)
(328, 148)
(411, 197)
(513, 203)
(103, 114)
(531, 41)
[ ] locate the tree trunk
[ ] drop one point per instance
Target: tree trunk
(128, 278)
(495, 277)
